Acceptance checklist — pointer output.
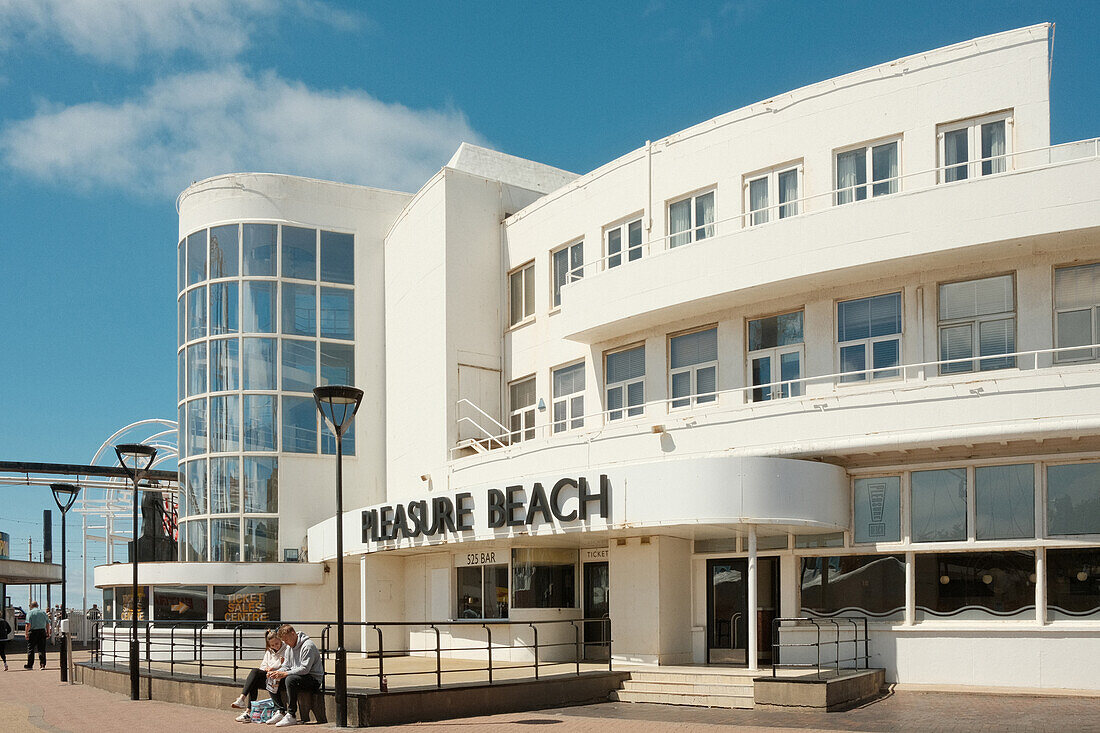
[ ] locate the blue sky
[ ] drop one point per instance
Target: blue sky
(108, 108)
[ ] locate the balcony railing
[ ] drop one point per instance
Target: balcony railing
(631, 419)
(1015, 161)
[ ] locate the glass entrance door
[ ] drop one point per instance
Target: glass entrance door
(596, 608)
(727, 609)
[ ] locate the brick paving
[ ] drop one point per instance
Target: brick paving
(35, 700)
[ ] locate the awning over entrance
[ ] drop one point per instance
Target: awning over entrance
(25, 572)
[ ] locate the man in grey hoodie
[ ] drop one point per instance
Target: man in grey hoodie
(303, 670)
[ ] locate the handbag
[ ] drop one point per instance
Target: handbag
(261, 711)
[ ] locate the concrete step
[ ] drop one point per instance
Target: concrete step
(734, 690)
(742, 678)
(684, 698)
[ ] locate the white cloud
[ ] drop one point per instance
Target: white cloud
(121, 32)
(195, 125)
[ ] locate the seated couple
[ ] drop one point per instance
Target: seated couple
(291, 665)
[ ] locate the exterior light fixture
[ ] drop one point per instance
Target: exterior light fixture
(338, 404)
(135, 459)
(64, 495)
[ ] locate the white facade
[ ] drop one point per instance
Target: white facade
(811, 357)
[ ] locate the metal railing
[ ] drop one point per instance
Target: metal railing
(223, 650)
(839, 624)
(926, 179)
(637, 418)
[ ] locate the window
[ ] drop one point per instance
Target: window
(259, 422)
(482, 591)
(569, 397)
(196, 257)
(225, 423)
(974, 148)
(1004, 502)
(624, 236)
(521, 399)
(977, 317)
(772, 195)
(625, 377)
(299, 309)
(521, 290)
(1076, 311)
(337, 313)
(1073, 583)
(869, 327)
(337, 257)
(875, 163)
(223, 251)
(259, 307)
(693, 359)
(259, 249)
(938, 505)
(223, 308)
(974, 585)
(869, 585)
(299, 425)
(775, 355)
(300, 253)
(261, 485)
(196, 313)
(224, 365)
(567, 266)
(258, 363)
(1073, 499)
(261, 540)
(544, 578)
(691, 219)
(876, 509)
(225, 486)
(225, 540)
(299, 365)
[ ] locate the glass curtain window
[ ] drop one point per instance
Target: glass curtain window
(224, 245)
(938, 505)
(1073, 499)
(225, 540)
(196, 540)
(225, 485)
(869, 325)
(521, 401)
(299, 309)
(181, 321)
(977, 317)
(1076, 311)
(876, 506)
(337, 313)
(867, 585)
(259, 422)
(299, 365)
(1073, 583)
(261, 540)
(181, 375)
(569, 397)
(758, 200)
(196, 369)
(181, 265)
(625, 379)
(337, 364)
(196, 427)
(258, 363)
(975, 585)
(851, 176)
(224, 365)
(259, 306)
(196, 313)
(544, 578)
(337, 257)
(299, 425)
(261, 485)
(258, 245)
(225, 423)
(568, 267)
(788, 193)
(300, 253)
(1004, 501)
(196, 257)
(694, 367)
(223, 308)
(194, 487)
(775, 355)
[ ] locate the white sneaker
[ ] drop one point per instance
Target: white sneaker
(274, 719)
(240, 702)
(244, 717)
(288, 719)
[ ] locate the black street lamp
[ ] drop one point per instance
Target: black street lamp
(338, 405)
(64, 495)
(136, 460)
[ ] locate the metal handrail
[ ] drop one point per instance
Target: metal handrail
(842, 382)
(220, 654)
(858, 623)
(601, 263)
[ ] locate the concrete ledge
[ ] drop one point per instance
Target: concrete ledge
(831, 692)
(390, 708)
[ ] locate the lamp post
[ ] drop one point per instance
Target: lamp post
(338, 405)
(136, 460)
(64, 495)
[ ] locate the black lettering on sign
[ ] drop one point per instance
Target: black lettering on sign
(556, 500)
(495, 508)
(538, 505)
(465, 516)
(417, 509)
(444, 514)
(511, 504)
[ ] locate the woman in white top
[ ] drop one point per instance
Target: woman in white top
(257, 678)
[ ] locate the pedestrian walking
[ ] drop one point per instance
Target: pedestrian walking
(38, 628)
(5, 634)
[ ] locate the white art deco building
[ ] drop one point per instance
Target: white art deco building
(833, 353)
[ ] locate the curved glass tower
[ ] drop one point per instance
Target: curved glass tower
(266, 313)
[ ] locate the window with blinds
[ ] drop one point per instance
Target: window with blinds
(869, 337)
(693, 367)
(625, 377)
(1076, 312)
(977, 318)
(569, 397)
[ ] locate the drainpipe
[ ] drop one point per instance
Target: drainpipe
(752, 613)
